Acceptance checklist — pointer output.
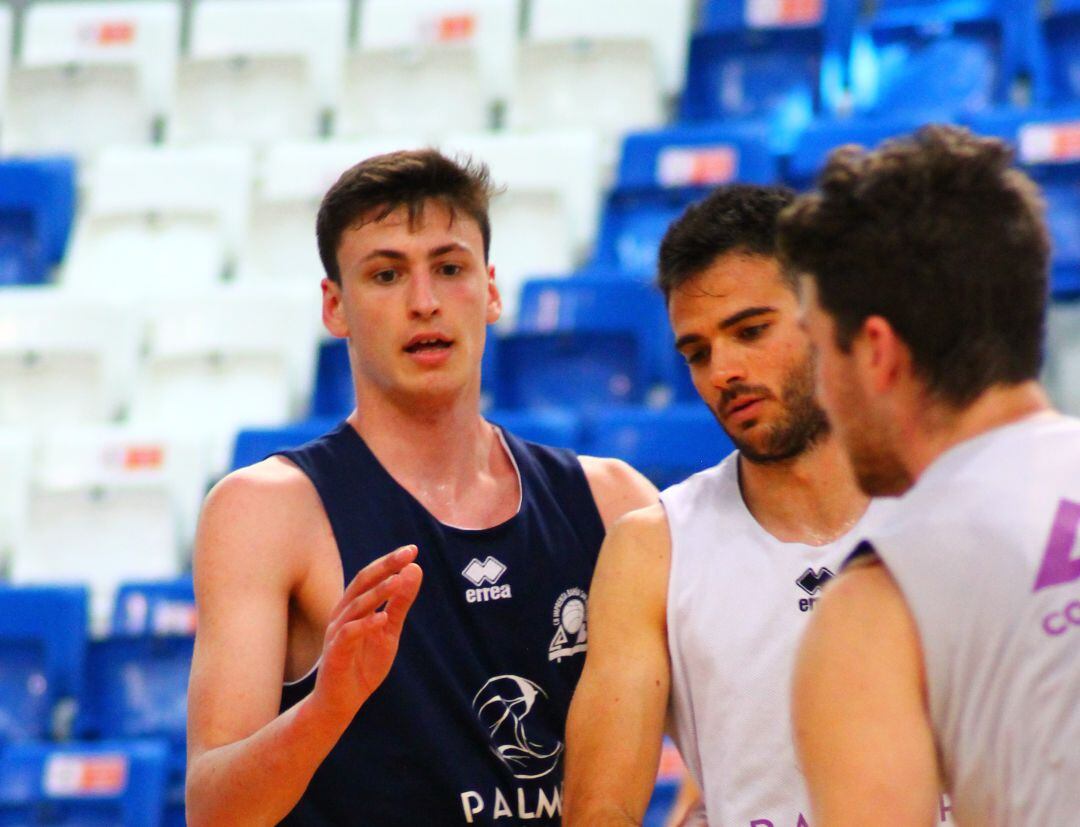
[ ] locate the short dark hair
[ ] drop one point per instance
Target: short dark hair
(938, 234)
(737, 218)
(409, 179)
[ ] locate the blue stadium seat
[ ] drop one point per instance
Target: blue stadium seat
(43, 639)
(136, 681)
(551, 426)
(37, 204)
(666, 445)
(663, 171)
(771, 62)
(333, 395)
(1060, 40)
(256, 444)
(119, 784)
(585, 341)
(936, 58)
(1048, 146)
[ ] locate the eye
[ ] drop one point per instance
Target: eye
(749, 334)
(694, 357)
(384, 276)
(450, 269)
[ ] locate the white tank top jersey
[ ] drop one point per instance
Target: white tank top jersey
(984, 549)
(738, 602)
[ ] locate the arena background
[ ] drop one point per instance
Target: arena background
(161, 166)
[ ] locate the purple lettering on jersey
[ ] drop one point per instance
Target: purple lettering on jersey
(1058, 565)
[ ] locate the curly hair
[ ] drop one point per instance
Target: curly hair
(938, 234)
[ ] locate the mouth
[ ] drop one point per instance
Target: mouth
(427, 343)
(743, 408)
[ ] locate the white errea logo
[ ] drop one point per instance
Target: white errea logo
(478, 574)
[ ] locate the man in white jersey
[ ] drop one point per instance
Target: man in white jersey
(950, 648)
(697, 604)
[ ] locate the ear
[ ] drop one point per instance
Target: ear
(494, 303)
(333, 312)
(884, 358)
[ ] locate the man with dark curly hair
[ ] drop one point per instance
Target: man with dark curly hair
(949, 649)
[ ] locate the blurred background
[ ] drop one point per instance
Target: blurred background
(161, 163)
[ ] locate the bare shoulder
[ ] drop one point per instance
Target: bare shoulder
(266, 514)
(855, 601)
(635, 561)
(616, 487)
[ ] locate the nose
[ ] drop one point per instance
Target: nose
(726, 368)
(423, 300)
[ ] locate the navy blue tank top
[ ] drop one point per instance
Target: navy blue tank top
(468, 727)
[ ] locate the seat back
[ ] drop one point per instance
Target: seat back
(260, 70)
(109, 66)
(37, 204)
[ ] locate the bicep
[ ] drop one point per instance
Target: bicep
(861, 724)
(617, 717)
(240, 641)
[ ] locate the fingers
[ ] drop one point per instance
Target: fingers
(407, 586)
(375, 572)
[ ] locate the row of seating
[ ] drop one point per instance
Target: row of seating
(312, 67)
(121, 697)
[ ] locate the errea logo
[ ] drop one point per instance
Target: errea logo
(811, 581)
(489, 571)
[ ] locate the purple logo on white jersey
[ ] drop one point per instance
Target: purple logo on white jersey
(1061, 560)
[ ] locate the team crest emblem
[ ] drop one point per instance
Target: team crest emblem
(571, 625)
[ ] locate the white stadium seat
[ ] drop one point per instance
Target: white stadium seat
(544, 220)
(159, 220)
(605, 64)
(260, 70)
(107, 505)
(91, 74)
(428, 66)
(291, 181)
(234, 357)
(63, 358)
(16, 446)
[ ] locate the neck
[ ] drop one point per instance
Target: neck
(444, 444)
(940, 428)
(811, 498)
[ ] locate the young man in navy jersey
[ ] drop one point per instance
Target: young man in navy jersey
(310, 706)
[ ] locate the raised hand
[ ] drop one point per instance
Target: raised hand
(362, 636)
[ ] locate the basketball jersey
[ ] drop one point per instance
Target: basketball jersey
(738, 602)
(468, 727)
(984, 549)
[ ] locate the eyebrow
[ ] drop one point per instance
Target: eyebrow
(397, 255)
(734, 319)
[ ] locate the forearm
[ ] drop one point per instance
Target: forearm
(259, 779)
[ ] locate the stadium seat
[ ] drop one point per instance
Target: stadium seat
(260, 70)
(769, 62)
(545, 219)
(1047, 144)
(428, 67)
(256, 444)
(221, 360)
(37, 204)
(666, 445)
(291, 180)
(43, 636)
(63, 358)
(136, 679)
(584, 342)
(552, 426)
(604, 65)
(109, 504)
(333, 395)
(160, 220)
(109, 67)
(663, 171)
(1060, 40)
(16, 455)
(116, 783)
(936, 59)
